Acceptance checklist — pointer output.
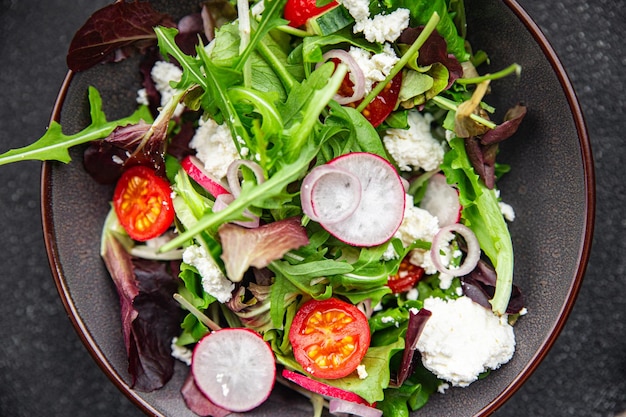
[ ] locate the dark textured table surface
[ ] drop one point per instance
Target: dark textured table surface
(45, 369)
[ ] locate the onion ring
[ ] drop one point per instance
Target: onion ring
(232, 174)
(356, 75)
(473, 250)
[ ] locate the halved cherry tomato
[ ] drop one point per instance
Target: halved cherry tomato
(143, 203)
(299, 11)
(382, 105)
(329, 338)
(406, 277)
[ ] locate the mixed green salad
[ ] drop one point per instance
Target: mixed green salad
(307, 193)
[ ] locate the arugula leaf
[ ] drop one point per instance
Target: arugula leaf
(481, 213)
(54, 144)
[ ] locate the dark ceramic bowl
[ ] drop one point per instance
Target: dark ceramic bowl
(551, 188)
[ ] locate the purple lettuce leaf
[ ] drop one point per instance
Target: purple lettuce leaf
(114, 32)
(507, 128)
(482, 149)
(417, 321)
(434, 50)
(243, 247)
(158, 320)
(150, 316)
(480, 286)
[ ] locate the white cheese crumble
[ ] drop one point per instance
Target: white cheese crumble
(507, 211)
(415, 147)
(181, 353)
(361, 371)
(382, 28)
(214, 147)
(462, 339)
(213, 281)
(162, 74)
(375, 67)
(417, 224)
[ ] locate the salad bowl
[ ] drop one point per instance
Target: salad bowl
(550, 186)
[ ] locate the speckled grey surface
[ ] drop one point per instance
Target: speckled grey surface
(45, 369)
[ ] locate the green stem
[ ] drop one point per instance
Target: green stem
(285, 76)
(451, 105)
(513, 68)
(428, 29)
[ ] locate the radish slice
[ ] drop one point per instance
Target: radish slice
(442, 200)
(319, 196)
(234, 368)
(339, 407)
(195, 169)
(321, 388)
(473, 250)
(381, 207)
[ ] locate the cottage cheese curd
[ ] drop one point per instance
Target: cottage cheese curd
(162, 74)
(382, 27)
(417, 224)
(214, 147)
(415, 148)
(213, 281)
(463, 339)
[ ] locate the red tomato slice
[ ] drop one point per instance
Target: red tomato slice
(329, 338)
(299, 11)
(143, 203)
(406, 278)
(383, 104)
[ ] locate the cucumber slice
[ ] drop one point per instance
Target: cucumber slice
(330, 21)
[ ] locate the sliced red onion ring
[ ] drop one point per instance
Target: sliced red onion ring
(330, 194)
(232, 174)
(223, 200)
(338, 406)
(356, 75)
(473, 250)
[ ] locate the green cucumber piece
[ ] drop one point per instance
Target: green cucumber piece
(331, 21)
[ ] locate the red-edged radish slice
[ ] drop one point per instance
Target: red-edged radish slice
(234, 368)
(197, 402)
(381, 208)
(195, 169)
(320, 198)
(473, 249)
(442, 200)
(341, 407)
(321, 388)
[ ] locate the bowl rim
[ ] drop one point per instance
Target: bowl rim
(584, 250)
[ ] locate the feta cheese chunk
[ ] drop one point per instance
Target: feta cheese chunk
(181, 353)
(162, 74)
(213, 281)
(417, 224)
(415, 148)
(375, 67)
(214, 147)
(383, 27)
(463, 339)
